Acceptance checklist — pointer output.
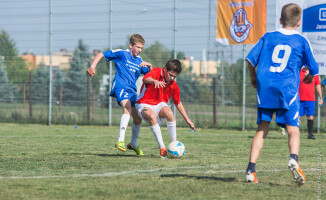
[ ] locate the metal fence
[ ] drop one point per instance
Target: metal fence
(183, 29)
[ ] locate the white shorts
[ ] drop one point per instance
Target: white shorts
(156, 108)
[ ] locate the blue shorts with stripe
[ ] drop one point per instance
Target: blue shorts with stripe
(307, 108)
(121, 94)
(283, 116)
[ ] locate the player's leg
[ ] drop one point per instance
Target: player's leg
(258, 141)
(309, 110)
(264, 117)
(127, 110)
(291, 119)
(151, 117)
(294, 146)
(310, 124)
(135, 129)
(167, 113)
(310, 117)
(256, 147)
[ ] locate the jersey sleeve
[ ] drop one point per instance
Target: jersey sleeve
(153, 74)
(309, 60)
(144, 70)
(253, 56)
(111, 55)
(176, 94)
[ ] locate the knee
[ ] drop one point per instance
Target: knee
(168, 114)
(136, 119)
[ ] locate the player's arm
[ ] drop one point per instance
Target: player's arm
(150, 80)
(184, 115)
(253, 74)
(91, 69)
(146, 64)
(320, 94)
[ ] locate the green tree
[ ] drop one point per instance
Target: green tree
(233, 78)
(157, 54)
(41, 85)
(6, 89)
(57, 83)
(75, 90)
(15, 66)
(190, 87)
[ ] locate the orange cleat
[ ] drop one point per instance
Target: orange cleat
(163, 152)
(298, 176)
(251, 177)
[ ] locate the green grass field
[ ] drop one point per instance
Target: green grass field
(63, 162)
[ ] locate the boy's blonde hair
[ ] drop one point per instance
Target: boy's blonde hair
(136, 38)
(291, 15)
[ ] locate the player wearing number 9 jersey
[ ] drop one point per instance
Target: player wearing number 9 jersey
(278, 57)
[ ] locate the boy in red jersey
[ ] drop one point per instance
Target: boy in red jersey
(158, 87)
(307, 99)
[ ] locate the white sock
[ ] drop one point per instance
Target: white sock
(156, 130)
(123, 127)
(135, 129)
(172, 130)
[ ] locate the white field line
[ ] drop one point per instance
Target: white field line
(146, 171)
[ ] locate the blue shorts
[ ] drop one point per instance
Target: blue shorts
(283, 117)
(121, 94)
(307, 108)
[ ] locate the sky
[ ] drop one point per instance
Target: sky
(27, 23)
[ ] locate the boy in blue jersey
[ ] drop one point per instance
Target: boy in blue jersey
(279, 56)
(129, 65)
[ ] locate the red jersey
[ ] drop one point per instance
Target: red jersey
(153, 96)
(307, 91)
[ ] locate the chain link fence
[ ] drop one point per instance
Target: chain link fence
(210, 93)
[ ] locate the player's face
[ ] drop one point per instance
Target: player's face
(136, 48)
(169, 76)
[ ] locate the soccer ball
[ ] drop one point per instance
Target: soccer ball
(176, 149)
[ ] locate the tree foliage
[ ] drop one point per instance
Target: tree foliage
(6, 89)
(75, 90)
(15, 66)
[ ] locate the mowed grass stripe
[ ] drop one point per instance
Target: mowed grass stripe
(152, 172)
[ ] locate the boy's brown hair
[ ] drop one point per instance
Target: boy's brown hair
(136, 38)
(174, 65)
(291, 15)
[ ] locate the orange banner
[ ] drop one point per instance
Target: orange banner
(240, 21)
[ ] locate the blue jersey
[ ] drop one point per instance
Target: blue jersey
(127, 70)
(279, 56)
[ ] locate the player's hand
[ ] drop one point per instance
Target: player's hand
(91, 71)
(159, 84)
(308, 79)
(191, 125)
(254, 82)
(321, 101)
(144, 64)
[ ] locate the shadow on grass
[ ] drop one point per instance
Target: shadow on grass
(198, 177)
(271, 137)
(108, 155)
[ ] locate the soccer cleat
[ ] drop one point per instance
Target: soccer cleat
(251, 177)
(297, 173)
(163, 152)
(283, 131)
(136, 149)
(120, 146)
(311, 136)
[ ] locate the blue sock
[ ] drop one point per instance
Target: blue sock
(251, 167)
(294, 156)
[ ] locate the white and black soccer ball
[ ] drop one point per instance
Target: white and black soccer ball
(176, 149)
